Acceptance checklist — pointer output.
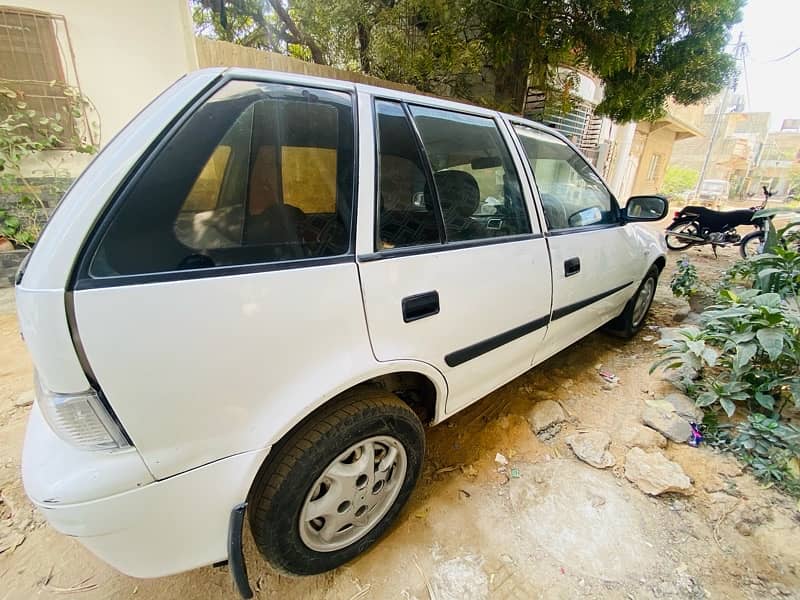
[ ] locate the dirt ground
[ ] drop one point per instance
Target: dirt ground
(557, 529)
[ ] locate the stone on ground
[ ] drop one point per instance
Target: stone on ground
(667, 421)
(644, 437)
(24, 399)
(592, 448)
(681, 314)
(654, 474)
(685, 407)
(545, 415)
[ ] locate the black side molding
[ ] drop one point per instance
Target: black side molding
(475, 350)
(571, 308)
(235, 553)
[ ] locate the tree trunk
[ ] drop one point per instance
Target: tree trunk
(511, 83)
(316, 52)
(363, 47)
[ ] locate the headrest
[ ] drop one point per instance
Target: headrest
(458, 192)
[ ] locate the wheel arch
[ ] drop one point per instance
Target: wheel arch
(419, 385)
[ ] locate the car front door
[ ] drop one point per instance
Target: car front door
(454, 271)
(595, 259)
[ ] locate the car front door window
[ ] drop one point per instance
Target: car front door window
(572, 194)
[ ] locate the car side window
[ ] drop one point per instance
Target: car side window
(477, 185)
(407, 211)
(572, 194)
(260, 173)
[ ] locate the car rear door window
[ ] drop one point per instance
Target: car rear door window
(476, 182)
(260, 173)
(407, 209)
(572, 194)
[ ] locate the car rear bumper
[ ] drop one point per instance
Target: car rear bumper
(155, 529)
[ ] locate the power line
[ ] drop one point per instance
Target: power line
(785, 56)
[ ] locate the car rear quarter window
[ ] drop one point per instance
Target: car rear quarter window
(260, 173)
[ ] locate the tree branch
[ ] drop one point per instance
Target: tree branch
(316, 52)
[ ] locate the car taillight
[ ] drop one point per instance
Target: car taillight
(80, 419)
(677, 214)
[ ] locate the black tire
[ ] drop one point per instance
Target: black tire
(755, 238)
(284, 483)
(625, 326)
(689, 226)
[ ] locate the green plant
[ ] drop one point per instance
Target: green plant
(685, 282)
(771, 449)
(25, 133)
(746, 352)
(679, 179)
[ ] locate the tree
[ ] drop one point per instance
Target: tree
(645, 52)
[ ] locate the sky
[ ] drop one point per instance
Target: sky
(771, 29)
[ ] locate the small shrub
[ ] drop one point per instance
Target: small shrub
(685, 282)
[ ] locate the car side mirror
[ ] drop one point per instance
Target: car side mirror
(646, 208)
(587, 216)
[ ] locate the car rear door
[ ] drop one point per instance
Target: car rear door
(454, 271)
(224, 273)
(595, 259)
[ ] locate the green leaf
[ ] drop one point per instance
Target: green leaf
(771, 340)
(765, 400)
(706, 399)
(728, 406)
(710, 356)
(744, 353)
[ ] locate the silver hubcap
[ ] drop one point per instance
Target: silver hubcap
(643, 301)
(353, 493)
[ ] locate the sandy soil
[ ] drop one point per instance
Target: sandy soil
(561, 529)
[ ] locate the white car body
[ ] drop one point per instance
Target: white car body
(202, 400)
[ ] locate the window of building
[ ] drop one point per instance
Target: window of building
(572, 194)
(260, 173)
(652, 169)
(36, 61)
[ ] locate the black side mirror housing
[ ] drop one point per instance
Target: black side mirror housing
(645, 208)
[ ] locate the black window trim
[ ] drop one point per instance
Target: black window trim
(81, 279)
(566, 230)
(404, 251)
(443, 245)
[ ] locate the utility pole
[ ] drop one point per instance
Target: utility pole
(738, 52)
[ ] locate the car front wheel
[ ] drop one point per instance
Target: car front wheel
(336, 484)
(632, 319)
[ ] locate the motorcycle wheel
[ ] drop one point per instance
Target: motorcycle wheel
(688, 226)
(752, 244)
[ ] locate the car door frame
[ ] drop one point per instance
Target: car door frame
(622, 293)
(368, 194)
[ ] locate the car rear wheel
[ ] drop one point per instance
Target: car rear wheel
(336, 484)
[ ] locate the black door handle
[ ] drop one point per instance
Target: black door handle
(420, 306)
(572, 266)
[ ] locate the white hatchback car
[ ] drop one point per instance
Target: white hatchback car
(259, 291)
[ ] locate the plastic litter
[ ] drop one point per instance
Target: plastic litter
(697, 436)
(608, 376)
(500, 459)
(515, 473)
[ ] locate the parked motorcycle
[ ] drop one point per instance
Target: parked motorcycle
(698, 226)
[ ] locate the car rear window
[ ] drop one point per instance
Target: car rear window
(260, 173)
